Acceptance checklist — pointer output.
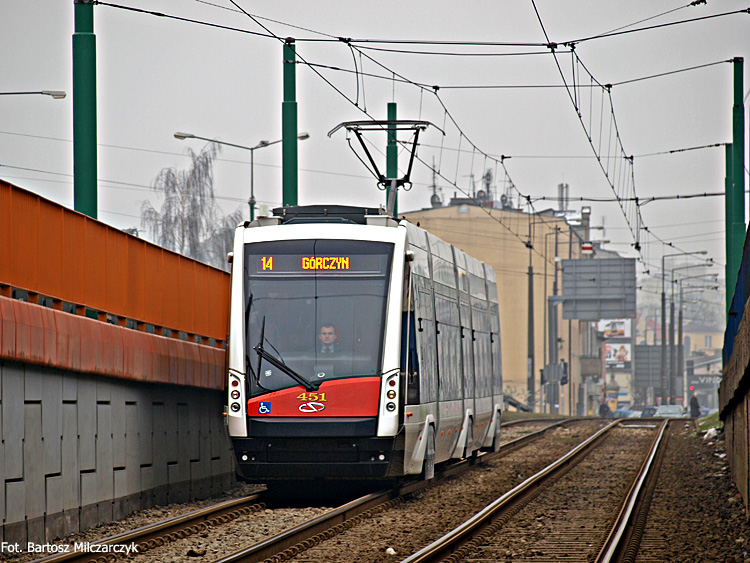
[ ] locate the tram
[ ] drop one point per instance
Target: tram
(360, 347)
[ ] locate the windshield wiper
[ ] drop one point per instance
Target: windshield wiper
(248, 366)
(276, 362)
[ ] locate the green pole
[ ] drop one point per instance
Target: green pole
(391, 156)
(84, 110)
(731, 269)
(289, 127)
(735, 184)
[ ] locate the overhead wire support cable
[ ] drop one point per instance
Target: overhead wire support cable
(652, 27)
(636, 216)
(555, 48)
(180, 18)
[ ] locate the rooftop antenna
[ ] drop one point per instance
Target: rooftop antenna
(435, 200)
(487, 181)
(359, 127)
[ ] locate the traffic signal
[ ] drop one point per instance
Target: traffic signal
(564, 376)
(690, 367)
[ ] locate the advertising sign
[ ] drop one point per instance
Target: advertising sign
(614, 328)
(618, 355)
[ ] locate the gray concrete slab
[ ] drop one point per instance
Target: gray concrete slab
(69, 461)
(132, 452)
(87, 424)
(12, 381)
(104, 457)
(15, 501)
(53, 494)
(33, 461)
(52, 426)
(32, 384)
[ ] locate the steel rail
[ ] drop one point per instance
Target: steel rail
(474, 526)
(293, 541)
(156, 534)
(619, 538)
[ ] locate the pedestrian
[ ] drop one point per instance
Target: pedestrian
(604, 411)
(695, 408)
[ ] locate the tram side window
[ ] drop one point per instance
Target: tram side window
(426, 340)
(409, 357)
(449, 338)
(482, 364)
(497, 365)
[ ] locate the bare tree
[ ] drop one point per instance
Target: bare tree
(190, 222)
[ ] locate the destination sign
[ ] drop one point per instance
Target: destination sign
(315, 258)
(325, 262)
(308, 262)
(302, 264)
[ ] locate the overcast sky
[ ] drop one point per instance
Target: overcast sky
(158, 75)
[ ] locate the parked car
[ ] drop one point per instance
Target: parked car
(669, 411)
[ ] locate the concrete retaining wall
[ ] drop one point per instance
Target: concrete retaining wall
(734, 405)
(78, 450)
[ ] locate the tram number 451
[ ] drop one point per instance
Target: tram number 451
(312, 397)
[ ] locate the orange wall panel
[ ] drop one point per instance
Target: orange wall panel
(5, 232)
(186, 295)
(38, 335)
(135, 288)
(23, 239)
(48, 249)
(94, 269)
(49, 328)
(72, 287)
(68, 341)
(116, 270)
(170, 305)
(7, 328)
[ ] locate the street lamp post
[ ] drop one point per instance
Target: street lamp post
(260, 145)
(680, 346)
(55, 94)
(530, 346)
(673, 358)
(664, 375)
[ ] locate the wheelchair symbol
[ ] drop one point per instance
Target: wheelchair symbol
(264, 408)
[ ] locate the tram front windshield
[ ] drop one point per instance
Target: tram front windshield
(317, 307)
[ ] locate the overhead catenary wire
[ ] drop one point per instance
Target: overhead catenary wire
(617, 174)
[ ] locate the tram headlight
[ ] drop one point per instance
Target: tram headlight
(235, 407)
(390, 407)
(235, 394)
(391, 394)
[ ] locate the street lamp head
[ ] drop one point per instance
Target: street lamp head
(264, 143)
(183, 136)
(303, 136)
(56, 94)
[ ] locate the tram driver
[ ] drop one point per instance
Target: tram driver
(329, 341)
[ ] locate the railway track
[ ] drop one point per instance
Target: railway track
(294, 542)
(296, 539)
(155, 535)
(558, 528)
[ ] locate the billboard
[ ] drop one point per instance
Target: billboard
(614, 328)
(618, 355)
